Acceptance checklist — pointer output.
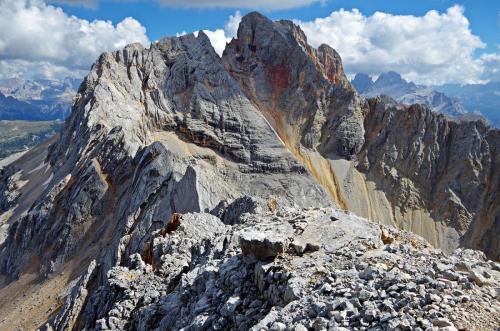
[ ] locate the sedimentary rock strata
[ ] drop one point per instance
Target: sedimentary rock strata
(189, 191)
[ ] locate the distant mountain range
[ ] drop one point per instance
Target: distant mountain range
(462, 102)
(31, 111)
(483, 98)
(36, 100)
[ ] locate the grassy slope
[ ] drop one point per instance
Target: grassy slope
(17, 136)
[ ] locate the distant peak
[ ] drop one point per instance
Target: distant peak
(390, 76)
(362, 76)
(362, 82)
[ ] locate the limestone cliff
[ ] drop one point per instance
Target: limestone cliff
(400, 165)
(153, 132)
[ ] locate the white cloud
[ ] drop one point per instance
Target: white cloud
(430, 49)
(37, 69)
(491, 65)
(232, 24)
(34, 33)
(220, 37)
(40, 40)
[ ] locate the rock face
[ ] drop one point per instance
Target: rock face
(401, 165)
(447, 169)
(192, 192)
(214, 142)
(303, 92)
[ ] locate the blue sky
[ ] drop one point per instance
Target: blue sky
(427, 41)
(160, 20)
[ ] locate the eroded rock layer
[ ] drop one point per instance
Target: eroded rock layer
(192, 192)
(400, 165)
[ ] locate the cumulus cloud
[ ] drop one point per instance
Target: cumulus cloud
(218, 39)
(430, 49)
(37, 69)
(36, 34)
(232, 24)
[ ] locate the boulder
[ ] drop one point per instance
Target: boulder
(262, 246)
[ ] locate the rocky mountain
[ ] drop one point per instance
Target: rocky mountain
(11, 109)
(36, 100)
(190, 191)
(408, 93)
(389, 83)
(40, 89)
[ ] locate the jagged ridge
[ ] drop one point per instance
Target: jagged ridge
(410, 168)
(174, 129)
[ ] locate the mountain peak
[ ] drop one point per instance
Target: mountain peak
(390, 78)
(362, 82)
(280, 40)
(275, 60)
(392, 84)
(190, 191)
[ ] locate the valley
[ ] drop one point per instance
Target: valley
(19, 136)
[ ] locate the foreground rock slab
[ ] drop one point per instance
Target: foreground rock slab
(250, 276)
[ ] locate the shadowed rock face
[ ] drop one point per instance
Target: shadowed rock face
(450, 169)
(175, 162)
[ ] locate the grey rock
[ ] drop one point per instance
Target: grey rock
(313, 246)
(300, 327)
(320, 324)
(450, 275)
(262, 245)
(442, 322)
(478, 277)
(316, 112)
(186, 177)
(277, 326)
(370, 315)
(299, 246)
(230, 306)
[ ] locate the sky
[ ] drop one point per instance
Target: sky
(427, 41)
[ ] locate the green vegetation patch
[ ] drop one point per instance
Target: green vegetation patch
(18, 136)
